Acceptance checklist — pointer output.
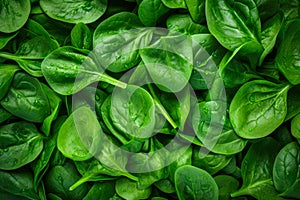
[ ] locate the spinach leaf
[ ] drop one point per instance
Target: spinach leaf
(150, 11)
(174, 4)
(34, 45)
(196, 9)
(287, 59)
(5, 38)
(128, 189)
(27, 99)
(101, 190)
(60, 178)
(74, 12)
(169, 67)
(235, 23)
(257, 170)
(42, 163)
(184, 24)
(270, 30)
(14, 14)
(214, 129)
(7, 73)
(194, 183)
(210, 162)
(81, 36)
(286, 171)
(18, 182)
(68, 70)
(258, 108)
(20, 144)
(226, 185)
(117, 41)
(133, 111)
(295, 126)
(293, 102)
(73, 139)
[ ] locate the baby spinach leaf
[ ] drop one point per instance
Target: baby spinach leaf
(27, 99)
(286, 171)
(94, 172)
(35, 44)
(258, 108)
(194, 183)
(4, 115)
(5, 38)
(60, 178)
(73, 139)
(169, 67)
(150, 11)
(287, 59)
(226, 185)
(293, 102)
(210, 162)
(20, 144)
(74, 11)
(128, 189)
(81, 36)
(133, 111)
(174, 3)
(117, 41)
(196, 9)
(18, 182)
(295, 126)
(14, 14)
(214, 129)
(101, 190)
(7, 73)
(69, 70)
(184, 24)
(235, 23)
(257, 170)
(105, 113)
(55, 103)
(270, 30)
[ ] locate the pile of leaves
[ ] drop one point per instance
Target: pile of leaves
(150, 99)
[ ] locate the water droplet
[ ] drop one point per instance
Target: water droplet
(203, 42)
(5, 150)
(97, 97)
(252, 99)
(19, 96)
(6, 99)
(126, 105)
(1, 152)
(15, 161)
(59, 180)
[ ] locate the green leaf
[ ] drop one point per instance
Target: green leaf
(117, 41)
(286, 171)
(234, 23)
(84, 11)
(68, 70)
(27, 99)
(133, 111)
(20, 144)
(287, 58)
(258, 108)
(74, 141)
(14, 14)
(257, 170)
(194, 183)
(81, 36)
(150, 11)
